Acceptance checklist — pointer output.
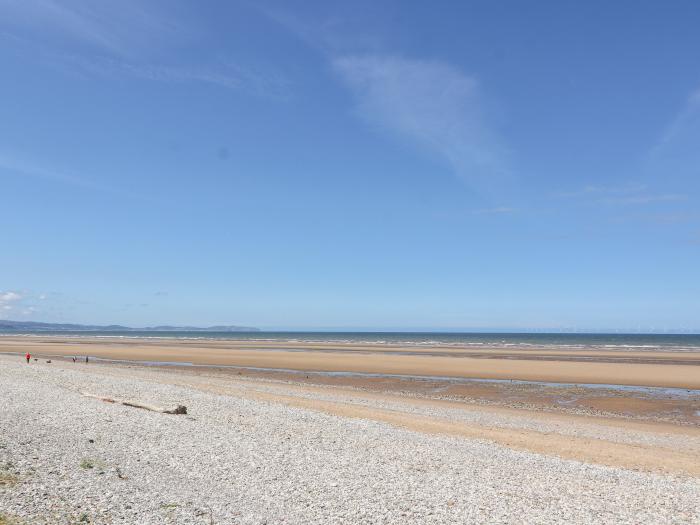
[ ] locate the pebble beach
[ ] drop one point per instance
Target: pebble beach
(67, 456)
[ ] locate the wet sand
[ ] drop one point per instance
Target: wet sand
(671, 369)
(645, 404)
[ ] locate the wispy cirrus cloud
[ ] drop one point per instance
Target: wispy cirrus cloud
(124, 28)
(686, 122)
(20, 166)
(627, 194)
(597, 190)
(128, 39)
(644, 198)
(676, 155)
(498, 210)
(227, 75)
(432, 104)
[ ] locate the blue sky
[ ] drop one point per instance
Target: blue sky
(385, 165)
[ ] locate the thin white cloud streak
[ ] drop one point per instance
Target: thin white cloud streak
(430, 103)
(227, 76)
(127, 39)
(681, 124)
(22, 168)
(8, 163)
(592, 190)
(498, 210)
(644, 199)
(329, 35)
(620, 195)
(124, 28)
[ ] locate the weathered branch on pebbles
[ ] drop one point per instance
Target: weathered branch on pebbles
(179, 409)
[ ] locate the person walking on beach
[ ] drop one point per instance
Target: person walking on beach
(28, 356)
(86, 359)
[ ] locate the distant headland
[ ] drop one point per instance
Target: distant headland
(33, 326)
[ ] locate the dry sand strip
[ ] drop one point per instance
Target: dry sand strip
(262, 452)
(524, 351)
(564, 371)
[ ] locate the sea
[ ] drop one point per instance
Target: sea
(632, 342)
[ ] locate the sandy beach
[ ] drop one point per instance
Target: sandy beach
(662, 369)
(277, 446)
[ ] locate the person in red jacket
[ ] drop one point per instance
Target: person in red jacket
(28, 356)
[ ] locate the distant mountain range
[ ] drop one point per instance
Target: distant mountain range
(33, 326)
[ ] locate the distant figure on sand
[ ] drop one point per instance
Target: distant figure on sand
(28, 356)
(86, 359)
(74, 359)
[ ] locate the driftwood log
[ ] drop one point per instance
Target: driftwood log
(179, 409)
